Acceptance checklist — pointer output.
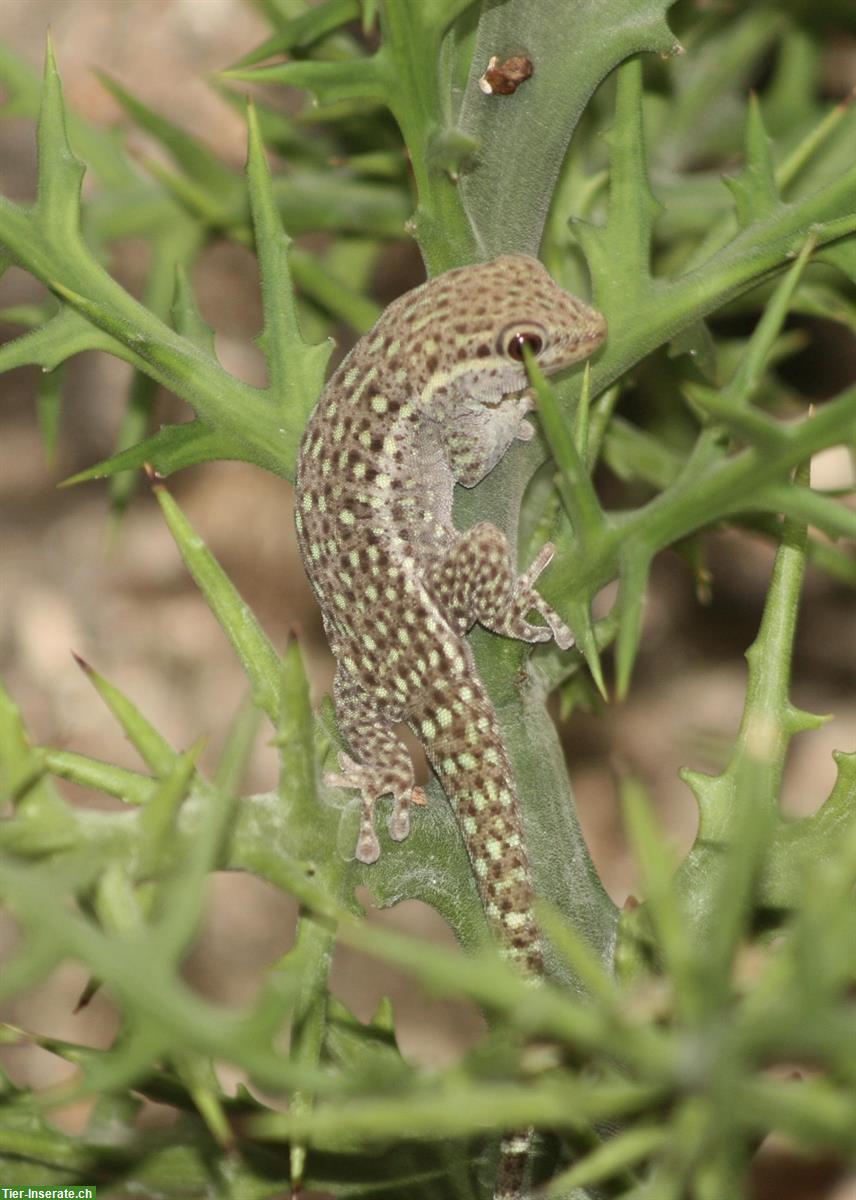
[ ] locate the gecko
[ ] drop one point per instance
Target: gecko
(433, 395)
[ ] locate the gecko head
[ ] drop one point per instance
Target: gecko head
(470, 329)
(531, 310)
(501, 307)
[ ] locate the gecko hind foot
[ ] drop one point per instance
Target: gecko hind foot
(373, 782)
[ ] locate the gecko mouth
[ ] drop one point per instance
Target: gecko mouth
(506, 396)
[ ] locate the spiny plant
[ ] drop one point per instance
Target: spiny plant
(644, 1058)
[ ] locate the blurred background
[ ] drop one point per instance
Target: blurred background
(120, 597)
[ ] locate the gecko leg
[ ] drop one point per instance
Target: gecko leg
(383, 765)
(476, 581)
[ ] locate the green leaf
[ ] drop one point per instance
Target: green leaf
(257, 655)
(154, 749)
(575, 487)
(296, 369)
(303, 30)
(170, 449)
(186, 316)
(330, 82)
(194, 158)
(755, 192)
(572, 54)
(60, 174)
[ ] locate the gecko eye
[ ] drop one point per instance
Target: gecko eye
(512, 341)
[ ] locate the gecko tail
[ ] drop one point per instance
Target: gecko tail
(465, 746)
(462, 738)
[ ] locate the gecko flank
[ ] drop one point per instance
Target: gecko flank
(434, 394)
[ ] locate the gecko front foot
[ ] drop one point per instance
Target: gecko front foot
(526, 598)
(373, 782)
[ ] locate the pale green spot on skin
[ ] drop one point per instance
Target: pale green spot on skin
(429, 730)
(346, 517)
(322, 504)
(380, 404)
(359, 470)
(338, 431)
(393, 349)
(365, 439)
(340, 601)
(315, 551)
(383, 482)
(352, 376)
(467, 761)
(307, 502)
(444, 717)
(368, 378)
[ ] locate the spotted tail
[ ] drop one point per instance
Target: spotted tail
(466, 750)
(469, 756)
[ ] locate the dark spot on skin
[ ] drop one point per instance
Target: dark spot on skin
(431, 363)
(483, 351)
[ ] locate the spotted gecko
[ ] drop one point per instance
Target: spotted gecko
(434, 395)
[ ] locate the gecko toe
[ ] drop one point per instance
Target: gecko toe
(368, 847)
(399, 822)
